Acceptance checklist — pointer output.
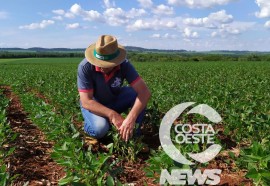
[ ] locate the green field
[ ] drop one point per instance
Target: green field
(238, 91)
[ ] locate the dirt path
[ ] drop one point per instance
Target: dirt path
(31, 159)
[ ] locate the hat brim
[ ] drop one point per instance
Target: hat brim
(89, 55)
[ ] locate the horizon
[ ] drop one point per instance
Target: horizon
(161, 25)
(140, 48)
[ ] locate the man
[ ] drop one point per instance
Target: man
(103, 99)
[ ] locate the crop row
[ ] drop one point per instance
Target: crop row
(81, 165)
(239, 91)
(6, 136)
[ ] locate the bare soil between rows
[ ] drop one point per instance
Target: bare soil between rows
(34, 164)
(31, 160)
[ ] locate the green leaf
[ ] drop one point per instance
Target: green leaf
(118, 183)
(256, 158)
(110, 181)
(65, 180)
(174, 167)
(78, 184)
(64, 146)
(110, 146)
(265, 173)
(99, 181)
(157, 159)
(149, 174)
(231, 154)
(253, 174)
(75, 135)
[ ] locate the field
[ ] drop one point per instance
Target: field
(42, 140)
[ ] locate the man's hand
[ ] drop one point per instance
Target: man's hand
(116, 119)
(126, 129)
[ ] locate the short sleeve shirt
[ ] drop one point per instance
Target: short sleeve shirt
(105, 87)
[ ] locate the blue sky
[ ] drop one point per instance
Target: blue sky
(163, 24)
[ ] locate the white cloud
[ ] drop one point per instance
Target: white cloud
(152, 24)
(140, 25)
(188, 33)
(135, 13)
(59, 12)
(158, 10)
(170, 24)
(72, 26)
(225, 32)
(229, 29)
(156, 36)
(76, 9)
(264, 5)
(199, 3)
(201, 22)
(222, 23)
(109, 4)
(211, 21)
(170, 36)
(214, 34)
(117, 16)
(112, 16)
(59, 18)
(267, 24)
(69, 15)
(165, 36)
(235, 28)
(3, 15)
(163, 10)
(221, 16)
(41, 25)
(90, 15)
(145, 3)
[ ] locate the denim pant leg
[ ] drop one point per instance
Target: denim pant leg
(94, 125)
(126, 100)
(97, 126)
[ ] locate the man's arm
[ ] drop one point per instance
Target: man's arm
(143, 96)
(99, 109)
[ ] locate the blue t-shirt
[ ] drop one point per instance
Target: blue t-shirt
(105, 87)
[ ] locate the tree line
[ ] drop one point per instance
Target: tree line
(7, 54)
(147, 56)
(194, 57)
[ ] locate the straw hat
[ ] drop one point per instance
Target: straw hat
(106, 52)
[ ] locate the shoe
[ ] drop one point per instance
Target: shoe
(90, 140)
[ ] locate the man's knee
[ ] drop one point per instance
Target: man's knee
(97, 129)
(101, 129)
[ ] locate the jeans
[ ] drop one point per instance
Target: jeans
(97, 126)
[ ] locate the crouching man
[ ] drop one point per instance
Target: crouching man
(102, 96)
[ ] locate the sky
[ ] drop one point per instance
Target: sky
(195, 25)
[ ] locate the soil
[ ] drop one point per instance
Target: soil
(31, 159)
(133, 173)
